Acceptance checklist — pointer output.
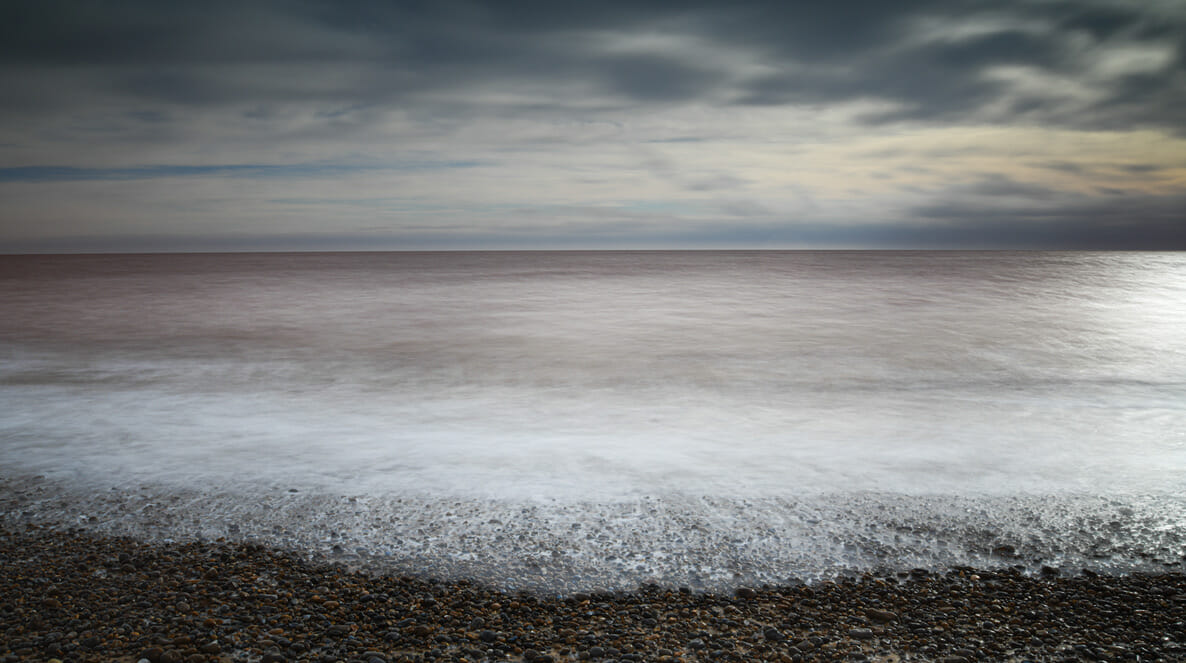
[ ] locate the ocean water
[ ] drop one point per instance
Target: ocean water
(565, 420)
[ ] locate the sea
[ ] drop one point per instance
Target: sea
(568, 421)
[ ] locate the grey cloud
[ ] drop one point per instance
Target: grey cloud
(930, 79)
(945, 80)
(744, 208)
(255, 171)
(1068, 167)
(656, 78)
(999, 186)
(1134, 222)
(720, 182)
(139, 32)
(1148, 171)
(1140, 168)
(395, 53)
(1121, 222)
(1112, 191)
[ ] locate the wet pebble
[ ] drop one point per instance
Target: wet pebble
(231, 603)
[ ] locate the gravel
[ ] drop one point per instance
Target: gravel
(73, 596)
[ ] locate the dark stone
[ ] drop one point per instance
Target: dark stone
(773, 635)
(488, 636)
(745, 593)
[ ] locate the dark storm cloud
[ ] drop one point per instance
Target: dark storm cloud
(949, 79)
(394, 53)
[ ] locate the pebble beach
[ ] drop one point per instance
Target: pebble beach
(70, 595)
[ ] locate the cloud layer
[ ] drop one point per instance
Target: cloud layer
(1028, 123)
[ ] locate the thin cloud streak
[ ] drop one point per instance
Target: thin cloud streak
(75, 174)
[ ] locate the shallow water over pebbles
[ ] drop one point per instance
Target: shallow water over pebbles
(705, 543)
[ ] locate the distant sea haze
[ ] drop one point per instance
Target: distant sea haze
(574, 419)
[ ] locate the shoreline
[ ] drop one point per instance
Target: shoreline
(706, 543)
(77, 596)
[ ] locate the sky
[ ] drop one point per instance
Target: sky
(352, 124)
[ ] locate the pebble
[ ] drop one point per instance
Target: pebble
(239, 603)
